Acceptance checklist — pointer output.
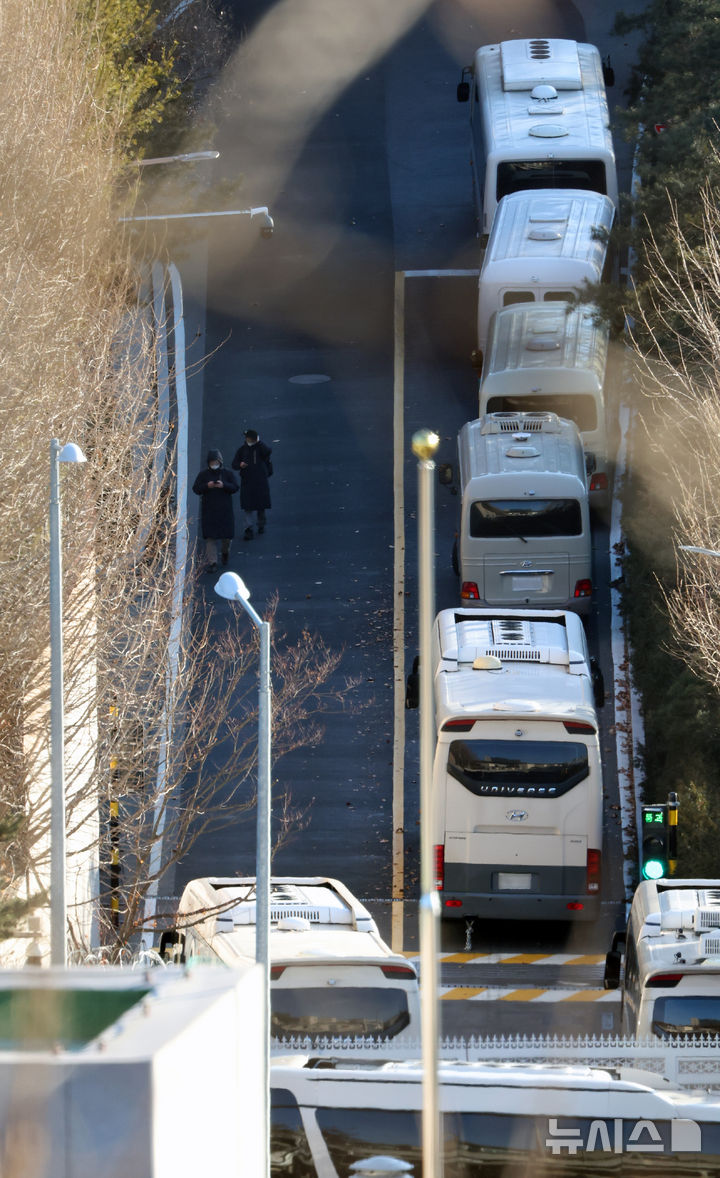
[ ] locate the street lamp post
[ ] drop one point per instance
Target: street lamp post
(187, 157)
(58, 905)
(266, 228)
(232, 587)
(425, 444)
(698, 550)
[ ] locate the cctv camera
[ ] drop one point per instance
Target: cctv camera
(267, 230)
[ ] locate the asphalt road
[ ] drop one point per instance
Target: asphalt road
(349, 130)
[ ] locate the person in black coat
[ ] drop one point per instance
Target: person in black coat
(253, 462)
(215, 485)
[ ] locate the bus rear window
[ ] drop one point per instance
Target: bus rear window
(510, 297)
(519, 175)
(578, 407)
(507, 519)
(686, 1014)
(544, 769)
(348, 1010)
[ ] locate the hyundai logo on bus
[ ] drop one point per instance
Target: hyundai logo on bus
(516, 815)
(621, 1136)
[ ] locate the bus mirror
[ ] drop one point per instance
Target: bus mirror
(476, 358)
(463, 90)
(598, 682)
(445, 474)
(590, 462)
(608, 72)
(172, 946)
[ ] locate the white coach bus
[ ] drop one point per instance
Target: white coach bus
(331, 973)
(543, 248)
(344, 1118)
(517, 777)
(524, 531)
(553, 358)
(671, 953)
(539, 119)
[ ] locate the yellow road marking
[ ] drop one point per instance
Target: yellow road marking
(461, 958)
(587, 959)
(521, 995)
(583, 996)
(462, 992)
(523, 959)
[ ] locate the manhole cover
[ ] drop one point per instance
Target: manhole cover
(309, 378)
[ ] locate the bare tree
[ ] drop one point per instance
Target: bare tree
(680, 415)
(77, 345)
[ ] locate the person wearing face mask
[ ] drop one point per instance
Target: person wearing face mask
(215, 485)
(252, 460)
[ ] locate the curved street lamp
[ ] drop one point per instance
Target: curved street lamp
(233, 588)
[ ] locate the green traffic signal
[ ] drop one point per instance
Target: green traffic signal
(654, 869)
(655, 859)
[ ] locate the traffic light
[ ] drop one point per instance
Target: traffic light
(655, 857)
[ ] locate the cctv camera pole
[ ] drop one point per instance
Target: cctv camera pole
(425, 444)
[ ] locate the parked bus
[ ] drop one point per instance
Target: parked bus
(340, 1118)
(543, 248)
(517, 777)
(539, 119)
(331, 972)
(524, 532)
(553, 358)
(671, 956)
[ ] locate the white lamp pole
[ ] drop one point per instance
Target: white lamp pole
(187, 157)
(698, 551)
(425, 444)
(266, 228)
(58, 905)
(232, 587)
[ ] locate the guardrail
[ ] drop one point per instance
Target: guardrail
(684, 1063)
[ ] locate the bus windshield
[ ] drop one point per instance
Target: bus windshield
(494, 519)
(518, 175)
(686, 1014)
(348, 1010)
(578, 407)
(505, 768)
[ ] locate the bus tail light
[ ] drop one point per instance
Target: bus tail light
(453, 903)
(439, 867)
(583, 588)
(402, 972)
(664, 981)
(276, 971)
(599, 481)
(457, 725)
(469, 591)
(579, 726)
(593, 872)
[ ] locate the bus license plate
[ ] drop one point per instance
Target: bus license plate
(528, 584)
(507, 881)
